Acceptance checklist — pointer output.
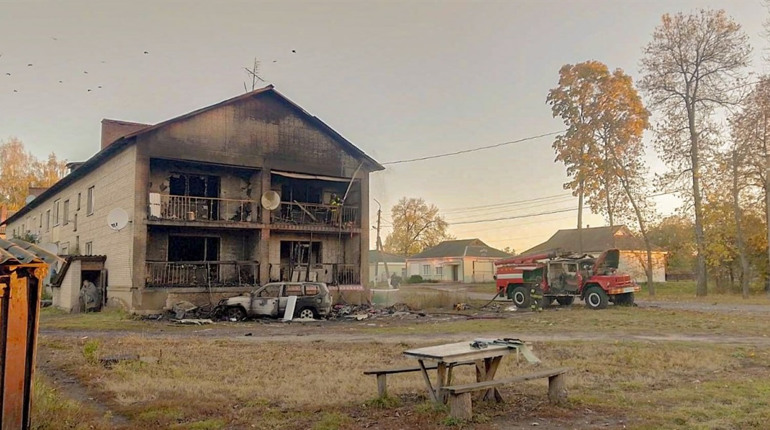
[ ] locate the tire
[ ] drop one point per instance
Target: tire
(306, 313)
(626, 299)
(566, 300)
(521, 297)
(235, 312)
(596, 298)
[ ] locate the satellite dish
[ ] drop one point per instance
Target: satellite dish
(117, 219)
(29, 199)
(271, 200)
(51, 247)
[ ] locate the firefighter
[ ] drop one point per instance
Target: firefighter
(537, 300)
(336, 204)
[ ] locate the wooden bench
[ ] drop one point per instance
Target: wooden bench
(382, 374)
(460, 395)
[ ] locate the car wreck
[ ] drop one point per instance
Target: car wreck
(271, 300)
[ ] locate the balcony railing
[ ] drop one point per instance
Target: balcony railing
(202, 273)
(330, 273)
(316, 214)
(187, 208)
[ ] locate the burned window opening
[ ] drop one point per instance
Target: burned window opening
(193, 248)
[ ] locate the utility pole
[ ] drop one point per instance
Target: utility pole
(379, 248)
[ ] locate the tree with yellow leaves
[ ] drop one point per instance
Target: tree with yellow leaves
(21, 170)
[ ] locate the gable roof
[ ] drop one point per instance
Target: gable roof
(384, 257)
(594, 239)
(461, 248)
(115, 147)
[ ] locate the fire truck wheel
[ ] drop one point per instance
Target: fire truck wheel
(521, 297)
(565, 300)
(596, 298)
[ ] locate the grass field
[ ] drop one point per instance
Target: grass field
(639, 368)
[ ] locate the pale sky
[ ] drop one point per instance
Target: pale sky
(398, 79)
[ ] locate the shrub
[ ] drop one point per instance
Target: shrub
(415, 279)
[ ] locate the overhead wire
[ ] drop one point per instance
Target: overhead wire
(466, 151)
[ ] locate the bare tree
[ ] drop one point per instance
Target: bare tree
(690, 68)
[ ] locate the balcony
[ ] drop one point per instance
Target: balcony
(208, 274)
(188, 209)
(329, 273)
(319, 217)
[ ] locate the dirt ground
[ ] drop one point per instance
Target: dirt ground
(518, 413)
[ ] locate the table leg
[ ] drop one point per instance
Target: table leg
(441, 377)
(427, 381)
(493, 364)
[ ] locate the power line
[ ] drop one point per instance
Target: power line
(465, 151)
(516, 216)
(514, 202)
(536, 214)
(507, 210)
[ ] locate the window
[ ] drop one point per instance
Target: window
(78, 206)
(41, 220)
(439, 270)
(426, 270)
(47, 220)
(270, 291)
(56, 213)
(66, 213)
(90, 201)
(75, 223)
(293, 290)
(64, 249)
(89, 248)
(311, 290)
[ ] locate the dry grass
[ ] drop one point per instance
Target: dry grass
(238, 383)
(53, 410)
(417, 298)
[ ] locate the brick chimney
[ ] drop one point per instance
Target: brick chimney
(113, 130)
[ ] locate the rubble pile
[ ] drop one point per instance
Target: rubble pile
(360, 312)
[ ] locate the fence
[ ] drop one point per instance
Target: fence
(202, 273)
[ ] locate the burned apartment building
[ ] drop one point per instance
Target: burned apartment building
(208, 204)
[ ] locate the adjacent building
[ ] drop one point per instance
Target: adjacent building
(467, 261)
(378, 260)
(250, 190)
(595, 240)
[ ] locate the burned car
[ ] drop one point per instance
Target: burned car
(270, 300)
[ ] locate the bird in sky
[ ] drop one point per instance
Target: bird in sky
(294, 51)
(146, 52)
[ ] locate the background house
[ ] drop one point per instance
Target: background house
(213, 202)
(468, 260)
(396, 264)
(633, 254)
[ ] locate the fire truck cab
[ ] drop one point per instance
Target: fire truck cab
(544, 278)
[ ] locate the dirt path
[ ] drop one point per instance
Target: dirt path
(74, 390)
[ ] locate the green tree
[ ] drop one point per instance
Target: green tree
(691, 68)
(675, 234)
(21, 170)
(416, 226)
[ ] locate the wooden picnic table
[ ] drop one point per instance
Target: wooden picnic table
(487, 360)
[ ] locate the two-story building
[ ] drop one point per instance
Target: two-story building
(250, 190)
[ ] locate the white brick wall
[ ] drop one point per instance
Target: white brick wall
(113, 184)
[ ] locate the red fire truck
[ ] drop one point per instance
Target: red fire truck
(540, 279)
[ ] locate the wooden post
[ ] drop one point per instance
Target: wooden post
(382, 385)
(557, 392)
(460, 406)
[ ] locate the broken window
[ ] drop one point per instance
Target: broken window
(193, 248)
(273, 290)
(183, 184)
(293, 290)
